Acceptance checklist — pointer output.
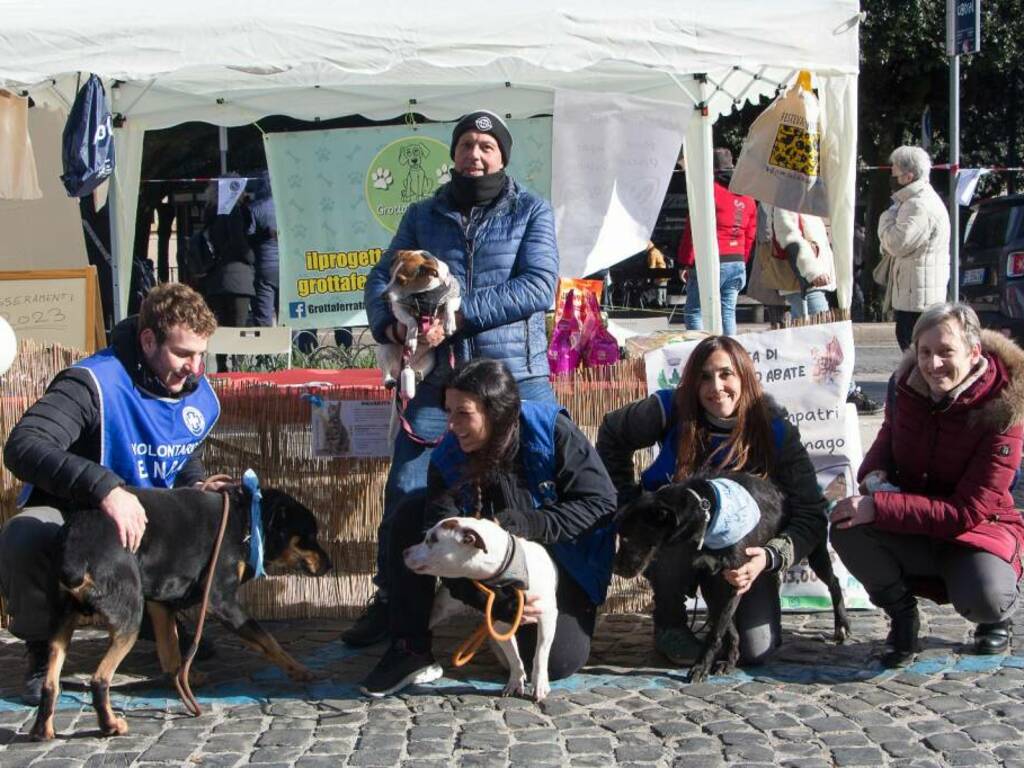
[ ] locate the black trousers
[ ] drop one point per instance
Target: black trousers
(904, 327)
(758, 617)
(231, 311)
(411, 599)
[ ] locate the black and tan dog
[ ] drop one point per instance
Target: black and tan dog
(96, 575)
(682, 512)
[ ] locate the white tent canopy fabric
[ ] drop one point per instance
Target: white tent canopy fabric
(233, 63)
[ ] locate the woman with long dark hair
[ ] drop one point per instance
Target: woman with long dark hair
(525, 465)
(718, 418)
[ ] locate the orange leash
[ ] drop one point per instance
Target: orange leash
(465, 652)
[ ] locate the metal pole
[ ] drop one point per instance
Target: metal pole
(222, 134)
(954, 154)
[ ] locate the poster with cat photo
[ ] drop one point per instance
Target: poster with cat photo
(350, 428)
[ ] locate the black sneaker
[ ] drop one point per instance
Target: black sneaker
(865, 405)
(371, 626)
(37, 661)
(399, 668)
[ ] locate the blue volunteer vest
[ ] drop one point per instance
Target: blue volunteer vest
(588, 558)
(147, 439)
(663, 468)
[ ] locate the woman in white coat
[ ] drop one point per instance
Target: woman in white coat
(914, 237)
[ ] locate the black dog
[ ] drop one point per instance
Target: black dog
(681, 512)
(96, 575)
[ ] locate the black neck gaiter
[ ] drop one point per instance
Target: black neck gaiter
(471, 191)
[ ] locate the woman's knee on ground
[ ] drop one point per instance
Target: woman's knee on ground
(988, 595)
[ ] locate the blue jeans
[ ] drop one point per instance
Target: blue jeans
(732, 276)
(406, 486)
(810, 304)
(264, 303)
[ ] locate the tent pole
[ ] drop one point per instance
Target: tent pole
(700, 193)
(113, 207)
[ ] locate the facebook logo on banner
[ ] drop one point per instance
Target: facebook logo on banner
(297, 309)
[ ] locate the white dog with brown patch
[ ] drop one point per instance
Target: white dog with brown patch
(467, 548)
(421, 291)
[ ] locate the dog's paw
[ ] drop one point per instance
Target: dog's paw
(842, 633)
(541, 689)
(698, 674)
(300, 674)
(516, 685)
(116, 726)
(42, 732)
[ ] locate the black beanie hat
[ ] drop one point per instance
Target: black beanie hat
(484, 121)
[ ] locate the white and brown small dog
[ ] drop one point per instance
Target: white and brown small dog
(464, 547)
(421, 290)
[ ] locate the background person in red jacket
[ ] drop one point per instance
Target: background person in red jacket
(735, 227)
(938, 518)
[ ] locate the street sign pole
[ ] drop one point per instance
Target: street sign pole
(963, 35)
(954, 150)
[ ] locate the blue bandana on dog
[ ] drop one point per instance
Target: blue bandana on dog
(736, 514)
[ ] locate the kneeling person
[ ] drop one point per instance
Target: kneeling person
(525, 465)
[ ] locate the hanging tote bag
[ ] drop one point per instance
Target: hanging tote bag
(780, 163)
(88, 142)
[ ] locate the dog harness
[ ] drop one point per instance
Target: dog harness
(426, 306)
(735, 514)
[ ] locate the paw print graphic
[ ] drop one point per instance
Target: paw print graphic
(323, 154)
(382, 178)
(301, 231)
(444, 174)
(326, 204)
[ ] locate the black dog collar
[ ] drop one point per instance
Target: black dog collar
(513, 571)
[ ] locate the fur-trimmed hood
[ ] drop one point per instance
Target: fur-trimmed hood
(1005, 406)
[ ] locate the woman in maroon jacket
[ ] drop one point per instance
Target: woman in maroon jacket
(937, 518)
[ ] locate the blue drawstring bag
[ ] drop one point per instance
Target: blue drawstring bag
(88, 142)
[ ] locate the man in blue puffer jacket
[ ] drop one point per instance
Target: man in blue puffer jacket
(498, 240)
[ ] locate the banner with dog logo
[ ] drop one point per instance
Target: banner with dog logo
(340, 194)
(807, 370)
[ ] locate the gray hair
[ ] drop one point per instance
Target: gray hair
(912, 160)
(959, 315)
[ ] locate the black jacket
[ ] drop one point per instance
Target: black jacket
(56, 443)
(235, 271)
(585, 495)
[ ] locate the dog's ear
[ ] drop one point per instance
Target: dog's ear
(403, 156)
(473, 539)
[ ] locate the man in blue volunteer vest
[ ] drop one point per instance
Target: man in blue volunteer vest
(135, 414)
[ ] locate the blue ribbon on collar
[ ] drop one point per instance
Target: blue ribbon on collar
(252, 483)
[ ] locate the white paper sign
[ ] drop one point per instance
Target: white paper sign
(351, 428)
(612, 158)
(228, 192)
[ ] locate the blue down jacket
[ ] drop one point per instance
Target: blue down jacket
(506, 262)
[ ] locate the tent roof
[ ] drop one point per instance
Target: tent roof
(232, 63)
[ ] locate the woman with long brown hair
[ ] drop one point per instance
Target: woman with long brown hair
(717, 418)
(525, 465)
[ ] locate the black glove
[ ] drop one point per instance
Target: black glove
(505, 600)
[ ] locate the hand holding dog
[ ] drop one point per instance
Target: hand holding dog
(128, 515)
(533, 608)
(742, 578)
(855, 510)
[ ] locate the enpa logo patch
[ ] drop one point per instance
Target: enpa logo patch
(483, 123)
(194, 420)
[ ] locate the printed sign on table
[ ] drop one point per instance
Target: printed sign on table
(340, 194)
(807, 370)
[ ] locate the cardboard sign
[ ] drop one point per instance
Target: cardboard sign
(60, 306)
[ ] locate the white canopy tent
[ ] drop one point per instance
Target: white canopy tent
(233, 63)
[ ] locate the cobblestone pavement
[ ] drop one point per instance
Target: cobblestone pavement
(816, 704)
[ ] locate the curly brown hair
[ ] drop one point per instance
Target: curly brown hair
(171, 304)
(749, 447)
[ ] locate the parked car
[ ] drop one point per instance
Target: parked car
(992, 263)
